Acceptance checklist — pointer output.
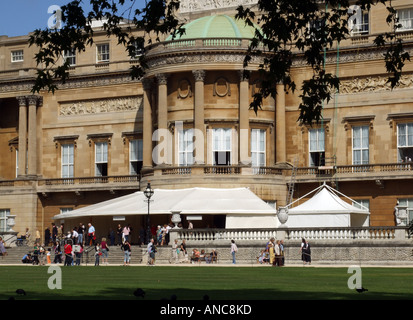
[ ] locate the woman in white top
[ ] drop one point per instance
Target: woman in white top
(234, 250)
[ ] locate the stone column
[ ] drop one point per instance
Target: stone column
(244, 124)
(32, 135)
(199, 117)
(280, 150)
(22, 135)
(147, 124)
(162, 117)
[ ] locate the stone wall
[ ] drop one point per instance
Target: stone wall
(380, 253)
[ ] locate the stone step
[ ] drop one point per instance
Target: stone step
(115, 255)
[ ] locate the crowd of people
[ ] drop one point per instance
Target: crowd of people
(68, 248)
(273, 254)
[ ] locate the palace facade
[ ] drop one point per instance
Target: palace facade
(188, 124)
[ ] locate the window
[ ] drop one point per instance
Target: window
(186, 147)
(138, 51)
(65, 210)
(360, 145)
(101, 159)
(135, 156)
(4, 213)
(68, 160)
(221, 146)
(317, 152)
(405, 19)
(102, 53)
(17, 56)
(405, 142)
(258, 147)
(362, 204)
(407, 202)
(70, 56)
(359, 24)
(17, 162)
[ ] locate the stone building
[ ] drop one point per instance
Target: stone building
(188, 124)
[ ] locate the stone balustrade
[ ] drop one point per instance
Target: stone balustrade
(218, 236)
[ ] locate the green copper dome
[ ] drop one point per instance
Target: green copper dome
(218, 26)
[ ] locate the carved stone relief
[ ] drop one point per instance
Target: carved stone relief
(101, 106)
(373, 84)
(187, 6)
(184, 89)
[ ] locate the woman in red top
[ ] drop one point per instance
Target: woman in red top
(104, 249)
(68, 254)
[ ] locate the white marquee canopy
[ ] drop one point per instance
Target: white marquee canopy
(236, 203)
(326, 209)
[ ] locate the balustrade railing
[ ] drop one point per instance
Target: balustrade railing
(339, 233)
(89, 180)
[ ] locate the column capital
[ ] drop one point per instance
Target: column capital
(162, 78)
(147, 84)
(199, 75)
(244, 75)
(35, 100)
(30, 100)
(22, 101)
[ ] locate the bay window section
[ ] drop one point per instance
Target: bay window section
(258, 147)
(186, 147)
(221, 146)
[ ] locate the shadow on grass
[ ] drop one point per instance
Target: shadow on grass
(183, 294)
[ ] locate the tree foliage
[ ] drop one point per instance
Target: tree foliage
(288, 29)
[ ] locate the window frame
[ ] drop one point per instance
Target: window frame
(99, 172)
(139, 156)
(357, 29)
(69, 164)
(319, 151)
(409, 204)
(410, 19)
(13, 56)
(258, 152)
(361, 148)
(71, 56)
(99, 54)
(225, 133)
(185, 149)
(406, 134)
(4, 213)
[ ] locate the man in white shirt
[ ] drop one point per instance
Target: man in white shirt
(91, 234)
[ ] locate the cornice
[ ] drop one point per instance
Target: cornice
(74, 82)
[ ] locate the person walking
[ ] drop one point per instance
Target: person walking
(234, 250)
(126, 247)
(3, 251)
(91, 233)
(151, 253)
(119, 235)
(81, 232)
(68, 254)
(305, 251)
(104, 249)
(98, 253)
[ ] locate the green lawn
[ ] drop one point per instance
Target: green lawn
(193, 282)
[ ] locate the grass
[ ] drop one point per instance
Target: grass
(193, 282)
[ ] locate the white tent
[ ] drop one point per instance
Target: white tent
(326, 209)
(241, 206)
